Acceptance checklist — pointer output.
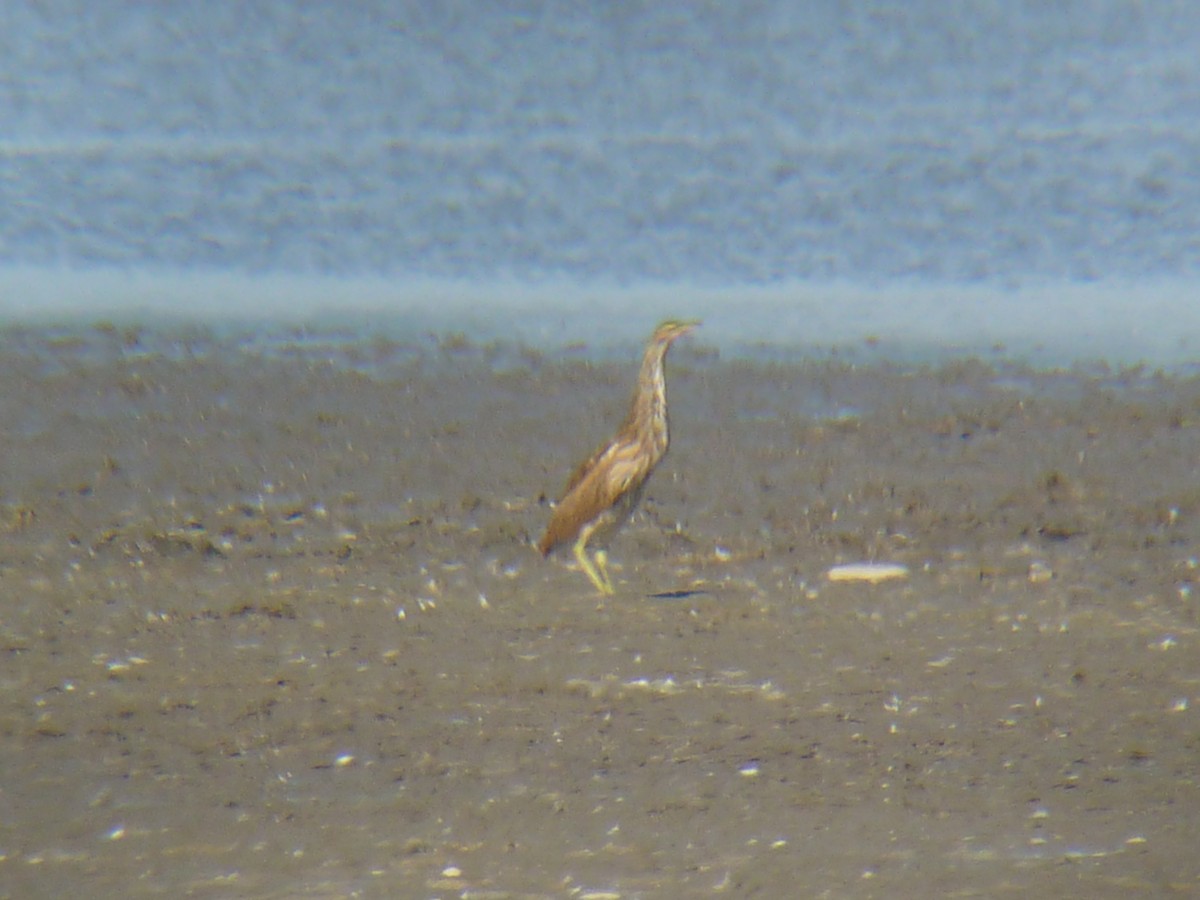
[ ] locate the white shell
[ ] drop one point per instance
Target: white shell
(869, 572)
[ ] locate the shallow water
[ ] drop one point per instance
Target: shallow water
(1002, 148)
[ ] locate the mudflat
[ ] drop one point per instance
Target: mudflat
(273, 626)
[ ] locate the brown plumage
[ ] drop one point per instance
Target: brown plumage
(604, 490)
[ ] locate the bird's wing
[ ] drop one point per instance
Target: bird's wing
(600, 482)
(582, 501)
(584, 468)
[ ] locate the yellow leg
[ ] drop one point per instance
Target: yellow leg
(602, 564)
(598, 578)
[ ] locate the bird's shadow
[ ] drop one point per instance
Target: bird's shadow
(676, 595)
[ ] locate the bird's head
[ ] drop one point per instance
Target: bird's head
(671, 329)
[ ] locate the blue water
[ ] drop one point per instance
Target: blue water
(926, 174)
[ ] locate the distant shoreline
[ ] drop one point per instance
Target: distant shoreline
(1050, 325)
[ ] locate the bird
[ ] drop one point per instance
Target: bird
(605, 489)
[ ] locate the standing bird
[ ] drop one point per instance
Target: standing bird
(604, 490)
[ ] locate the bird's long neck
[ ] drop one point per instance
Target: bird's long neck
(648, 415)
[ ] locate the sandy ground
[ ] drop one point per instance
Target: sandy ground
(272, 627)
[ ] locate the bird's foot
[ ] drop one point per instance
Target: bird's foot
(598, 577)
(602, 565)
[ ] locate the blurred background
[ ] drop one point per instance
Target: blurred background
(924, 176)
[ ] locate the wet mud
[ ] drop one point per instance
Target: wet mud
(273, 626)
